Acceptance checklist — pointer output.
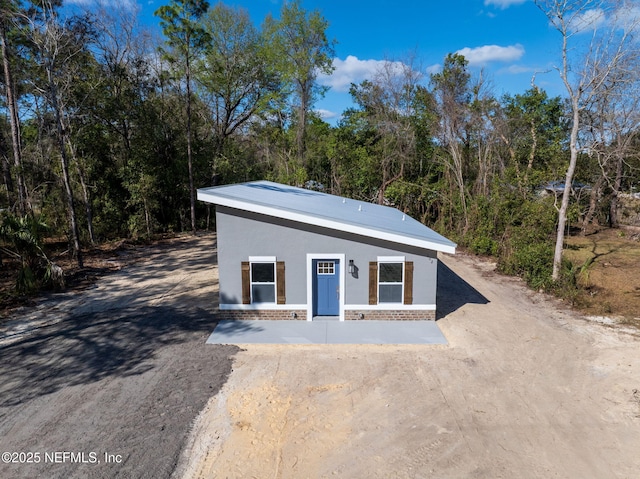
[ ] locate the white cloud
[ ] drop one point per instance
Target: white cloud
(353, 70)
(435, 68)
(326, 114)
(627, 18)
(518, 69)
(587, 21)
(129, 5)
(503, 3)
(479, 56)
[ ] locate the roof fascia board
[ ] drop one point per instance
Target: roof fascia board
(323, 222)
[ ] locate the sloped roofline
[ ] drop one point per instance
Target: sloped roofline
(338, 213)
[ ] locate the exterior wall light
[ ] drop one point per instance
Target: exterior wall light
(352, 267)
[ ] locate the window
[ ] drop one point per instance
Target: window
(390, 282)
(326, 267)
(263, 282)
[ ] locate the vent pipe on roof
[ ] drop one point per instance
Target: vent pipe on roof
(359, 207)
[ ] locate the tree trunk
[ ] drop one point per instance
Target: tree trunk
(589, 65)
(594, 197)
(87, 202)
(534, 144)
(147, 218)
(458, 163)
(512, 155)
(613, 208)
(301, 132)
(192, 197)
(566, 195)
(6, 169)
(484, 161)
(64, 163)
(22, 202)
(386, 181)
(85, 190)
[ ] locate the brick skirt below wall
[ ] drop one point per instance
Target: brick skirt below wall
(392, 315)
(281, 314)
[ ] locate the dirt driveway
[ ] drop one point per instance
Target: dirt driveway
(121, 369)
(524, 389)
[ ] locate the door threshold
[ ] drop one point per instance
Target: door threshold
(326, 318)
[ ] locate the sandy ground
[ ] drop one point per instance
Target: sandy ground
(115, 375)
(525, 389)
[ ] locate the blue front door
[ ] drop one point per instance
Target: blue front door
(326, 287)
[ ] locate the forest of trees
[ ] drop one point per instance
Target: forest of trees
(107, 131)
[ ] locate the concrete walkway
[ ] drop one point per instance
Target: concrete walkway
(326, 332)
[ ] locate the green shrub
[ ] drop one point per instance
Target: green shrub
(21, 239)
(531, 261)
(527, 244)
(484, 245)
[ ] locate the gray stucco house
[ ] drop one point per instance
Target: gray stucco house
(290, 253)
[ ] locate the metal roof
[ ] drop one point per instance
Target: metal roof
(329, 211)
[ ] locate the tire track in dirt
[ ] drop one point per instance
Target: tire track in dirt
(121, 368)
(524, 389)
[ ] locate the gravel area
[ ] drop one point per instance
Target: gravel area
(108, 382)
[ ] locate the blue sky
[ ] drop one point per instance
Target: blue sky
(508, 40)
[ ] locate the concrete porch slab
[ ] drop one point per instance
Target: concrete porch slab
(326, 332)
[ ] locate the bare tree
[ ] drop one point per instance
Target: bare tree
(389, 102)
(452, 90)
(597, 39)
(484, 135)
(57, 44)
(613, 127)
(121, 48)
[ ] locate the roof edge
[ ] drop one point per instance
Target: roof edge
(209, 197)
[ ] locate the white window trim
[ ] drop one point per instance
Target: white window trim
(392, 259)
(264, 259)
(332, 268)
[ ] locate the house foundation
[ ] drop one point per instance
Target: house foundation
(390, 315)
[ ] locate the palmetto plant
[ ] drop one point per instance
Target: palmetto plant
(21, 239)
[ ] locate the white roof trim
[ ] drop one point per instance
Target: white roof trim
(218, 196)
